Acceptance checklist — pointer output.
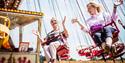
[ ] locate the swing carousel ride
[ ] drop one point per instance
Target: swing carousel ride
(11, 17)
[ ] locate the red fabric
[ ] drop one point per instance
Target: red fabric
(63, 52)
(119, 48)
(64, 57)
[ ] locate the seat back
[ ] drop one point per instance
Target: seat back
(115, 33)
(115, 36)
(63, 51)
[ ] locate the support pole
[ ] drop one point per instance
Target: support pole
(38, 41)
(20, 33)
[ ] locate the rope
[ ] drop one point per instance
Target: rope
(58, 9)
(53, 8)
(35, 5)
(27, 6)
(105, 6)
(76, 30)
(88, 37)
(122, 11)
(84, 21)
(81, 11)
(50, 6)
(66, 6)
(81, 20)
(72, 8)
(40, 9)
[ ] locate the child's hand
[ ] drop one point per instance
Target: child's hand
(118, 2)
(75, 20)
(35, 32)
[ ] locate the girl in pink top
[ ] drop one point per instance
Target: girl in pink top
(97, 23)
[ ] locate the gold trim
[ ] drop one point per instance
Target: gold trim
(22, 11)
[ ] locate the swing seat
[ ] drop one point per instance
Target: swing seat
(90, 52)
(84, 52)
(81, 52)
(119, 47)
(115, 39)
(63, 51)
(119, 51)
(64, 57)
(115, 33)
(97, 52)
(93, 52)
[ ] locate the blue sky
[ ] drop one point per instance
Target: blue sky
(59, 9)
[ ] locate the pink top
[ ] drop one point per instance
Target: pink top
(101, 18)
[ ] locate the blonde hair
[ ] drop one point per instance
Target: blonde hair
(95, 5)
(53, 18)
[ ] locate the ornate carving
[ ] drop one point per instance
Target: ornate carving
(23, 60)
(2, 60)
(10, 4)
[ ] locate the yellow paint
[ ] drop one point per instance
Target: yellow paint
(4, 32)
(22, 11)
